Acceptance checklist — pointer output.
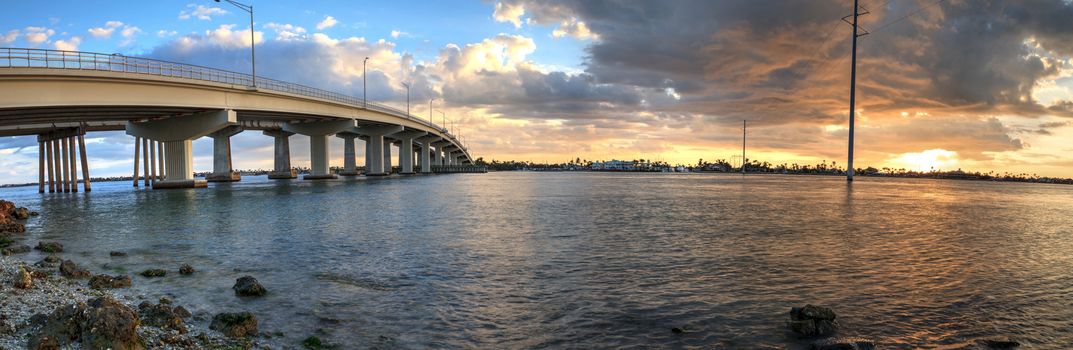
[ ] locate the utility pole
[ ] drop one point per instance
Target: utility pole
(853, 81)
(743, 147)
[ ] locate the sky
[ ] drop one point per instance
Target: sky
(978, 85)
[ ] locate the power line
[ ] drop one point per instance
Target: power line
(907, 15)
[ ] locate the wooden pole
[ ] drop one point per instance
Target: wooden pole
(85, 162)
(137, 148)
(51, 166)
(72, 151)
(40, 167)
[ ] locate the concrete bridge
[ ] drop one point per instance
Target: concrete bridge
(61, 95)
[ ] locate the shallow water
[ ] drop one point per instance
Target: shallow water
(594, 260)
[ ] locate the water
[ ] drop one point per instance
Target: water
(595, 260)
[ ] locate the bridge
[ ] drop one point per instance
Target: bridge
(61, 95)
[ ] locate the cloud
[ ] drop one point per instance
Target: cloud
(163, 33)
(9, 37)
(286, 31)
(37, 35)
(509, 12)
(574, 28)
(106, 31)
(70, 44)
(395, 34)
(328, 22)
(200, 12)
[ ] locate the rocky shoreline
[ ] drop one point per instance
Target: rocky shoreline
(56, 304)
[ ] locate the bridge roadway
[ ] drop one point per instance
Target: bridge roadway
(61, 95)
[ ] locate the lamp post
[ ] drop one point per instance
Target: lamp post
(253, 52)
(430, 111)
(364, 90)
(407, 99)
(443, 120)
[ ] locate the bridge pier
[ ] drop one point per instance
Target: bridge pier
(350, 163)
(281, 165)
(221, 156)
(58, 159)
(425, 153)
(406, 150)
(177, 134)
(374, 147)
(387, 156)
(318, 133)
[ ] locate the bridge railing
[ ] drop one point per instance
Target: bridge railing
(59, 59)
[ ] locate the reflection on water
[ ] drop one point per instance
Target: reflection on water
(514, 260)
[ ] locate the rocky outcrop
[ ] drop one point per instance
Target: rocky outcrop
(50, 262)
(247, 286)
(843, 343)
(186, 269)
(235, 325)
(101, 323)
(10, 217)
(49, 247)
(811, 321)
(70, 270)
(163, 315)
(23, 280)
(109, 282)
(15, 249)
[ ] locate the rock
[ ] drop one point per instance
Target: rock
(154, 273)
(23, 280)
(107, 323)
(1000, 344)
(34, 213)
(161, 315)
(15, 249)
(165, 300)
(812, 321)
(247, 286)
(8, 219)
(115, 253)
(314, 343)
(70, 270)
(677, 330)
(20, 213)
(59, 328)
(108, 282)
(182, 312)
(843, 343)
(49, 247)
(185, 269)
(235, 325)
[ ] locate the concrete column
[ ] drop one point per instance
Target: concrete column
(282, 164)
(137, 149)
(40, 166)
(406, 150)
(65, 172)
(177, 133)
(221, 156)
(152, 161)
(350, 166)
(426, 153)
(436, 156)
(387, 156)
(374, 147)
(71, 151)
(161, 174)
(85, 161)
(145, 162)
(318, 133)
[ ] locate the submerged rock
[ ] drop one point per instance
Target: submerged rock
(154, 273)
(235, 325)
(843, 343)
(186, 269)
(1000, 344)
(247, 286)
(15, 249)
(109, 282)
(162, 315)
(314, 343)
(102, 323)
(115, 253)
(811, 321)
(49, 247)
(70, 270)
(50, 261)
(20, 213)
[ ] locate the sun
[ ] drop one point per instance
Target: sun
(932, 159)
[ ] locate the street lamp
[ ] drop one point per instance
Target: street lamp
(407, 99)
(253, 53)
(364, 91)
(430, 111)
(443, 120)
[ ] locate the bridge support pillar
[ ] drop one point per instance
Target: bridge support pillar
(318, 132)
(177, 134)
(281, 166)
(374, 147)
(426, 153)
(58, 160)
(350, 164)
(406, 150)
(387, 156)
(222, 170)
